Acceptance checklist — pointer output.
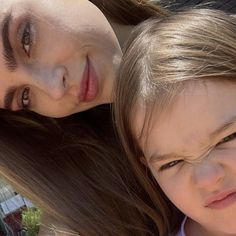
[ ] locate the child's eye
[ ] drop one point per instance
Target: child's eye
(227, 139)
(26, 39)
(170, 165)
(25, 100)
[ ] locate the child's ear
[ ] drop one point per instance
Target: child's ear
(143, 161)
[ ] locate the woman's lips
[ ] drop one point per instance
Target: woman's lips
(221, 200)
(89, 84)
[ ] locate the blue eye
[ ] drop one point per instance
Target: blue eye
(227, 139)
(170, 165)
(26, 39)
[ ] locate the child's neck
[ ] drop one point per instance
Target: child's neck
(192, 228)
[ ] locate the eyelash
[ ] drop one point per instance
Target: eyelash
(170, 165)
(25, 101)
(227, 139)
(26, 38)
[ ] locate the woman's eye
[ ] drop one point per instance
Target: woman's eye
(227, 139)
(170, 165)
(25, 101)
(26, 39)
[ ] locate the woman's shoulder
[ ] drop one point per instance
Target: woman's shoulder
(175, 5)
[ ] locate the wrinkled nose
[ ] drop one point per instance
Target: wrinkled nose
(208, 173)
(53, 81)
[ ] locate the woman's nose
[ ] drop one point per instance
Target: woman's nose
(52, 81)
(208, 173)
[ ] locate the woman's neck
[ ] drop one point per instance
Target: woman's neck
(122, 32)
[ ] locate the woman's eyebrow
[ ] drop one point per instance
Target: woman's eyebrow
(8, 53)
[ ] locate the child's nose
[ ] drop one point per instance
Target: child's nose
(208, 173)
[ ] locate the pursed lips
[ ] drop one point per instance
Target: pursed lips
(221, 199)
(84, 82)
(89, 87)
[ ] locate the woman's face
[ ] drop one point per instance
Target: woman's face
(58, 57)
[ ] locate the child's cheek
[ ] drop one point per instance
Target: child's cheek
(226, 156)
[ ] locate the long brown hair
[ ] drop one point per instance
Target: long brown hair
(162, 56)
(130, 12)
(76, 171)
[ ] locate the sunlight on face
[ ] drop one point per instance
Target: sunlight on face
(58, 57)
(191, 150)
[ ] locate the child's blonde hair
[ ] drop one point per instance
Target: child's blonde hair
(164, 55)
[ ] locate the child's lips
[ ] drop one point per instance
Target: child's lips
(89, 84)
(221, 200)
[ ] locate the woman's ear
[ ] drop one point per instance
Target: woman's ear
(143, 161)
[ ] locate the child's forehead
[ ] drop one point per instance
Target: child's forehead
(195, 113)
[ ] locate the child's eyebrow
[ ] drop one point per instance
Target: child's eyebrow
(222, 128)
(212, 136)
(155, 157)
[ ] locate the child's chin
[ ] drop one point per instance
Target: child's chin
(226, 229)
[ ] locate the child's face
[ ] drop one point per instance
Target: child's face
(191, 150)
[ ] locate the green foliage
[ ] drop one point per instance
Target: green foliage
(31, 219)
